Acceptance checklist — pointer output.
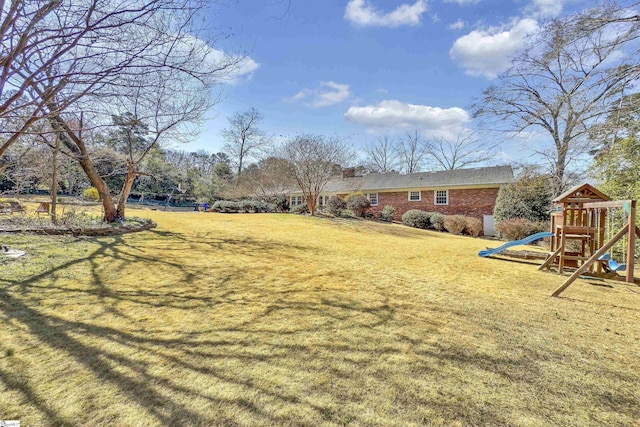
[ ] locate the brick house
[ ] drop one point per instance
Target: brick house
(470, 192)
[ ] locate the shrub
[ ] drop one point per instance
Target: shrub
(437, 221)
(282, 204)
(300, 209)
(529, 197)
(416, 218)
(387, 213)
(248, 206)
(518, 228)
(473, 226)
(226, 206)
(455, 224)
(91, 193)
(336, 205)
(359, 205)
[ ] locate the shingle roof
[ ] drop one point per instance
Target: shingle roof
(494, 175)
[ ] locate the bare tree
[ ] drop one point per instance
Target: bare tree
(382, 154)
(74, 62)
(463, 151)
(411, 151)
(269, 178)
(313, 160)
(244, 137)
(569, 78)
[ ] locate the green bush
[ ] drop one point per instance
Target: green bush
(519, 228)
(282, 204)
(359, 205)
(473, 226)
(245, 206)
(455, 224)
(336, 205)
(437, 221)
(91, 193)
(529, 197)
(387, 213)
(417, 219)
(300, 209)
(226, 206)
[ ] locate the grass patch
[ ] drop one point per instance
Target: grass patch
(276, 319)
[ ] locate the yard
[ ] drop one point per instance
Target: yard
(270, 319)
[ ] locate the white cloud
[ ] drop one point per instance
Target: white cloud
(458, 25)
(391, 115)
(487, 52)
(363, 14)
(239, 66)
(462, 2)
(331, 93)
(544, 8)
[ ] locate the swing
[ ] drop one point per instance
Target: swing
(609, 263)
(612, 264)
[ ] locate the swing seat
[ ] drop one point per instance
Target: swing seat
(617, 267)
(613, 266)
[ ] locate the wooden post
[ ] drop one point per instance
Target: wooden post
(550, 260)
(591, 260)
(602, 224)
(563, 241)
(631, 243)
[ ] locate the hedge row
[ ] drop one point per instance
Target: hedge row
(455, 224)
(243, 206)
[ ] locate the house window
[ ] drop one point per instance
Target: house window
(296, 201)
(442, 197)
(415, 196)
(373, 198)
(322, 201)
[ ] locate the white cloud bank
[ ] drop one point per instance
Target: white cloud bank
(362, 13)
(392, 115)
(487, 52)
(331, 93)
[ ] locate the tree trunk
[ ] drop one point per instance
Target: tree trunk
(79, 149)
(558, 173)
(126, 190)
(311, 203)
(54, 182)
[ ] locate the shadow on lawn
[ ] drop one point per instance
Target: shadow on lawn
(321, 332)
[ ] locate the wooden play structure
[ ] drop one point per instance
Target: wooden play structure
(581, 224)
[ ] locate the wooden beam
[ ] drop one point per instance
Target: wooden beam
(601, 205)
(549, 260)
(631, 242)
(591, 260)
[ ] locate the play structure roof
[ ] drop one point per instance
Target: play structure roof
(581, 193)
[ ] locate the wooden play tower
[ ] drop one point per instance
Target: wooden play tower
(578, 224)
(571, 222)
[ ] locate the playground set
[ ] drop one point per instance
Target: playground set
(582, 233)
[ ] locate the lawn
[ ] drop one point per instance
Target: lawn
(271, 319)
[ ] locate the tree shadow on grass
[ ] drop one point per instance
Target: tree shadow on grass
(327, 350)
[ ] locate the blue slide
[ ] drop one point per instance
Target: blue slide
(524, 241)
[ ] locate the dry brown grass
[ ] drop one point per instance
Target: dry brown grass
(219, 319)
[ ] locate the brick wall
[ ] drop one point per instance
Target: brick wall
(472, 202)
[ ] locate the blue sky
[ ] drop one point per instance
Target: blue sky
(361, 68)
